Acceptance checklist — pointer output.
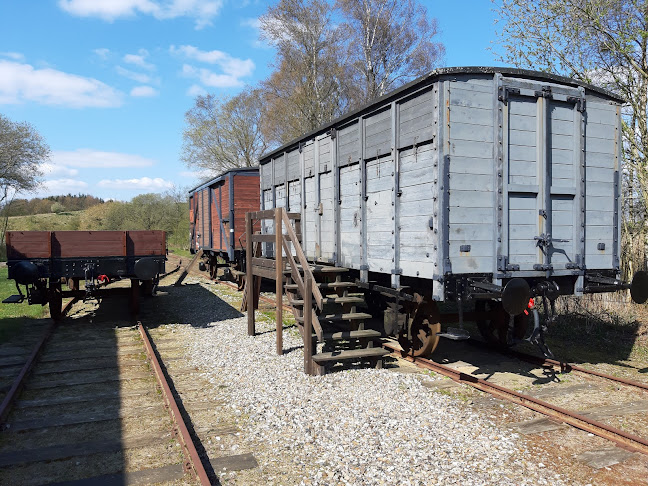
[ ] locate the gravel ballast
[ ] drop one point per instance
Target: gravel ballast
(352, 427)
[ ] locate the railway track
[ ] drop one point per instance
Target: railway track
(86, 404)
(556, 413)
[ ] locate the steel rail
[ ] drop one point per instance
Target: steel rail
(623, 439)
(568, 367)
(192, 462)
(19, 382)
(563, 366)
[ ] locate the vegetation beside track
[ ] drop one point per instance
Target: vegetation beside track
(14, 316)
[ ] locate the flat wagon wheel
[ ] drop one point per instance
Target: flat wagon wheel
(55, 299)
(424, 326)
(495, 329)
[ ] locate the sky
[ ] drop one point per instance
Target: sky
(106, 83)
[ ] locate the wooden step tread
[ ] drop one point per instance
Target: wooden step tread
(332, 300)
(325, 285)
(350, 354)
(351, 316)
(320, 269)
(365, 333)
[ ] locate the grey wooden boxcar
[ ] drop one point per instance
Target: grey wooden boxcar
(461, 184)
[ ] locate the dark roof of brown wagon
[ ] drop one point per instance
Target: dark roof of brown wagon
(221, 176)
(429, 78)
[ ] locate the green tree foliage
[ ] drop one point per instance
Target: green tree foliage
(22, 150)
(57, 207)
(37, 205)
(390, 42)
(604, 42)
(309, 85)
(224, 133)
(168, 212)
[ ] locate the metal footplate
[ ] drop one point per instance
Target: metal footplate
(14, 299)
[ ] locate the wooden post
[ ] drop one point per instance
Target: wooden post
(249, 279)
(279, 279)
(308, 323)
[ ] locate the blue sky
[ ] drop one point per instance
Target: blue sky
(107, 82)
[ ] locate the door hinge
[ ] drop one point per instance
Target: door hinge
(505, 91)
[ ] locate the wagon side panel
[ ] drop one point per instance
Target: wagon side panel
(418, 172)
(602, 184)
(28, 244)
(469, 165)
(145, 243)
(246, 199)
(74, 244)
(350, 216)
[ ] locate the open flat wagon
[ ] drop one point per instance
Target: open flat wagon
(480, 186)
(42, 260)
(217, 217)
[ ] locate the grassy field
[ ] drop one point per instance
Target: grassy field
(46, 222)
(14, 316)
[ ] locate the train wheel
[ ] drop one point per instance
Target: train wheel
(495, 329)
(55, 300)
(425, 328)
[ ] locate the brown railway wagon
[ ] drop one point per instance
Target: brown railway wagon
(217, 216)
(40, 260)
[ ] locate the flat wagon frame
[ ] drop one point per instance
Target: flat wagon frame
(41, 260)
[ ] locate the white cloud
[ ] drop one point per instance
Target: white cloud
(144, 92)
(102, 52)
(98, 160)
(62, 186)
(58, 170)
(139, 60)
(196, 174)
(203, 11)
(211, 79)
(139, 77)
(22, 82)
(231, 66)
(195, 90)
(16, 56)
(233, 69)
(145, 183)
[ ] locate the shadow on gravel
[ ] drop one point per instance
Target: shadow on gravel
(189, 304)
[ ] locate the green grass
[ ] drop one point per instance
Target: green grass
(14, 316)
(46, 222)
(181, 252)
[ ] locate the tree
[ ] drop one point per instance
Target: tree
(57, 207)
(309, 85)
(604, 42)
(390, 43)
(22, 150)
(224, 133)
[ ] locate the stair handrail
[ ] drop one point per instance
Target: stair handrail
(319, 301)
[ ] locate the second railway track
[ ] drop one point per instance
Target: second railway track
(109, 401)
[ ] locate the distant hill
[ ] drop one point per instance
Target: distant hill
(51, 204)
(46, 222)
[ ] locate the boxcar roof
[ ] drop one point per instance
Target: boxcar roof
(222, 176)
(430, 78)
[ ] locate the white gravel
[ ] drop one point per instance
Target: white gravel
(355, 427)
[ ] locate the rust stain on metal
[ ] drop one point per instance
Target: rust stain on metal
(621, 438)
(193, 462)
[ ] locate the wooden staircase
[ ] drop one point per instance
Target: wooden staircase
(328, 313)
